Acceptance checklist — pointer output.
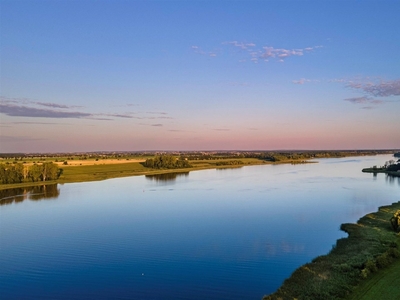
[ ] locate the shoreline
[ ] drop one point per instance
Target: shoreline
(382, 171)
(95, 167)
(104, 171)
(371, 247)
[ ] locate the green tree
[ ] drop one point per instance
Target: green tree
(166, 161)
(35, 172)
(11, 173)
(49, 171)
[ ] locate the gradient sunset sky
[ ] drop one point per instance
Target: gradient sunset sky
(199, 75)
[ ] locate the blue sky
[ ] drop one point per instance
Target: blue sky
(199, 75)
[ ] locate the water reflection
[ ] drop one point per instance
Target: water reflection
(166, 177)
(282, 248)
(34, 193)
(392, 179)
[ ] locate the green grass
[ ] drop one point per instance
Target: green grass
(101, 171)
(382, 285)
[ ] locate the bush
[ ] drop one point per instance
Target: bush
(364, 273)
(383, 260)
(370, 265)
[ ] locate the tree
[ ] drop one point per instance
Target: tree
(35, 172)
(11, 173)
(395, 221)
(166, 161)
(49, 171)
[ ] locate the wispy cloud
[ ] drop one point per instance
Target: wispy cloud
(198, 50)
(126, 105)
(377, 89)
(119, 116)
(358, 100)
(221, 129)
(241, 45)
(6, 138)
(25, 101)
(152, 125)
(24, 107)
(365, 100)
(371, 88)
(25, 111)
(156, 112)
(54, 105)
(301, 81)
(39, 123)
(257, 54)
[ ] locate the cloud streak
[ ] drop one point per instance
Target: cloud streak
(198, 50)
(23, 107)
(365, 100)
(381, 89)
(54, 105)
(29, 101)
(24, 111)
(6, 138)
(301, 81)
(256, 54)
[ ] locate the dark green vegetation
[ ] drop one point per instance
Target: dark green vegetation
(397, 154)
(18, 173)
(390, 167)
(233, 162)
(166, 161)
(395, 221)
(372, 246)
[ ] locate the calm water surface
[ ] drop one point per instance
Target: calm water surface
(213, 234)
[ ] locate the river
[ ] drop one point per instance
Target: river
(211, 234)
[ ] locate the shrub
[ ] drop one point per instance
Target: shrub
(370, 265)
(364, 273)
(383, 260)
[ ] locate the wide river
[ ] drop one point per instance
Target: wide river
(212, 234)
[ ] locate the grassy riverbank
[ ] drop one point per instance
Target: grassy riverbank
(351, 266)
(105, 169)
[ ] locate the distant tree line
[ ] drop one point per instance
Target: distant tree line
(166, 161)
(390, 166)
(229, 163)
(17, 172)
(394, 167)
